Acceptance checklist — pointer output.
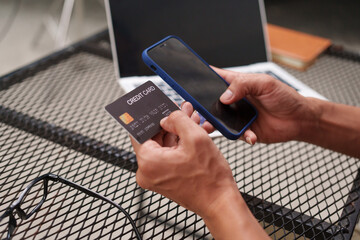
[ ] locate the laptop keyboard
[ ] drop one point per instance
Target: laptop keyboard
(171, 93)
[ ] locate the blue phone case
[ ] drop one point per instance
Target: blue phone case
(209, 117)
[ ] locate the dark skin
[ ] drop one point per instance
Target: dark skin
(183, 164)
(285, 115)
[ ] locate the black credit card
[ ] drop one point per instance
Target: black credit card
(141, 110)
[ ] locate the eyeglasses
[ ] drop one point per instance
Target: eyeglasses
(24, 215)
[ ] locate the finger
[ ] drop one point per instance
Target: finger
(180, 124)
(247, 84)
(147, 144)
(195, 117)
(159, 138)
(187, 108)
(135, 144)
(182, 104)
(170, 140)
(227, 75)
(208, 127)
(249, 136)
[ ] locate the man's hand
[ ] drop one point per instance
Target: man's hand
(285, 115)
(282, 112)
(184, 164)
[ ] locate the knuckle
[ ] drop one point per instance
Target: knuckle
(144, 160)
(200, 138)
(144, 166)
(237, 82)
(146, 170)
(175, 115)
(269, 80)
(141, 181)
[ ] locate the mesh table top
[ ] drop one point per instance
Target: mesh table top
(52, 119)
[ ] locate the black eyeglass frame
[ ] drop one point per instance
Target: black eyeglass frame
(16, 205)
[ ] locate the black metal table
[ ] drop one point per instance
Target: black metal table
(52, 119)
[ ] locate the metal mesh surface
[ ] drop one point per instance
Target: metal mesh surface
(337, 79)
(54, 121)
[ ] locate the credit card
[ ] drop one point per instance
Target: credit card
(141, 110)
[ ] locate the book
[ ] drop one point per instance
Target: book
(293, 48)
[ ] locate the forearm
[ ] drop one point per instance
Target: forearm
(333, 126)
(230, 218)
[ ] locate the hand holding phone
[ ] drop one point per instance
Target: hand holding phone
(190, 76)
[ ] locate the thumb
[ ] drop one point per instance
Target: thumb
(243, 85)
(181, 125)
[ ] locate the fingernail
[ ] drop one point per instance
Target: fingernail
(248, 140)
(184, 105)
(227, 95)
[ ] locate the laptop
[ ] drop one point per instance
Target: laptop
(228, 34)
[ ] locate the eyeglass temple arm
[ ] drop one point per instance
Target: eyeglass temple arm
(5, 214)
(96, 195)
(57, 178)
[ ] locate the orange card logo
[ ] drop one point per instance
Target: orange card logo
(126, 118)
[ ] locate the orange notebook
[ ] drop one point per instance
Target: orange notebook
(295, 49)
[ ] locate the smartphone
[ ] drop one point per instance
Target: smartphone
(193, 79)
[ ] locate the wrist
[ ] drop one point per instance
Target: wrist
(310, 121)
(230, 199)
(333, 126)
(230, 218)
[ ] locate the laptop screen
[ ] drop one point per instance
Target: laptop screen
(224, 33)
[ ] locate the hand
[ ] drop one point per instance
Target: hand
(188, 108)
(183, 164)
(281, 110)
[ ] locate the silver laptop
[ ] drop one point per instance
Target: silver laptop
(228, 34)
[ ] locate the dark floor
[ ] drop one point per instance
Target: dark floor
(334, 19)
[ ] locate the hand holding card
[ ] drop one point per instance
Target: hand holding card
(141, 110)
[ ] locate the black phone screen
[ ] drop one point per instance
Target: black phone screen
(201, 82)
